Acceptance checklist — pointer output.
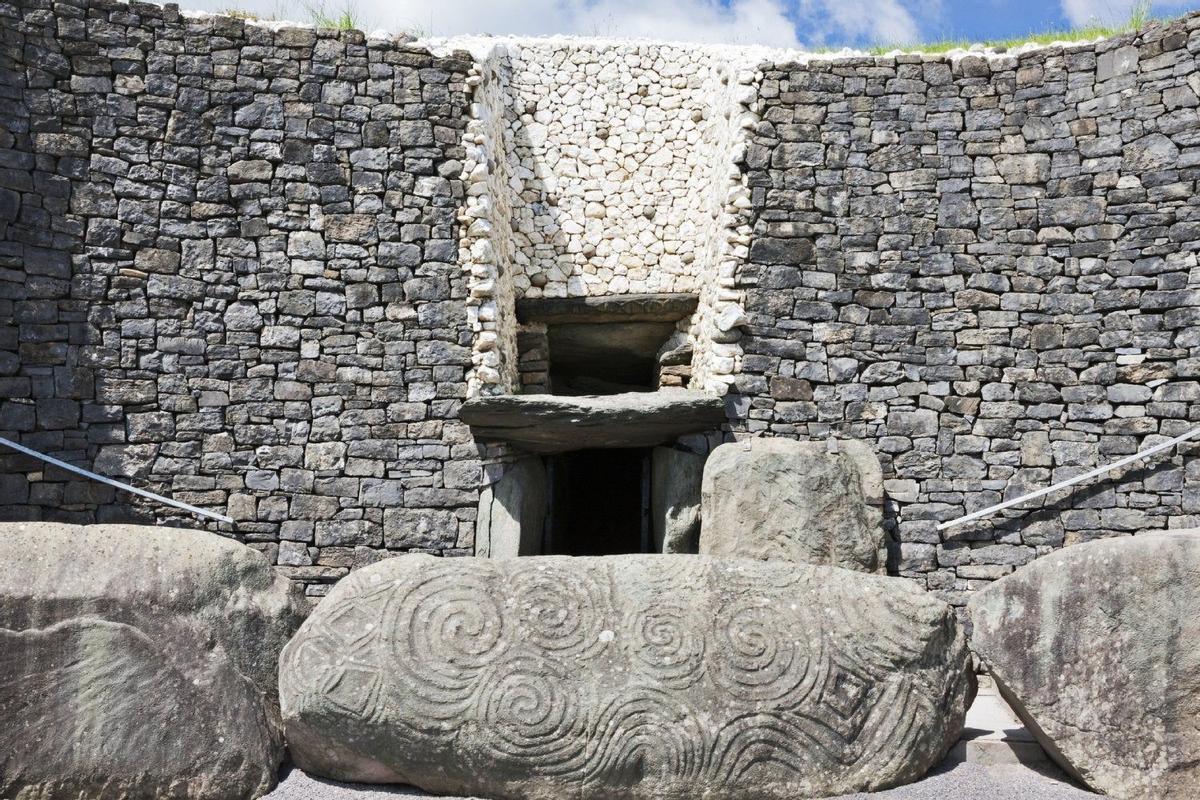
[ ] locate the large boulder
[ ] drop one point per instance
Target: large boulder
(138, 662)
(1097, 648)
(809, 502)
(625, 676)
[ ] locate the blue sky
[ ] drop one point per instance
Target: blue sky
(783, 23)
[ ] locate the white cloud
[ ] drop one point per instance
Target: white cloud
(874, 21)
(767, 22)
(743, 22)
(1110, 12)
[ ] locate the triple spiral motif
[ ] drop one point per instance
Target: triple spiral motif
(680, 670)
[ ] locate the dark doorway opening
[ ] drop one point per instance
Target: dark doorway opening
(598, 503)
(606, 358)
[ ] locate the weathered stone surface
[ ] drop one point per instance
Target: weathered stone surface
(795, 501)
(1097, 648)
(675, 477)
(1114, 63)
(614, 308)
(138, 662)
(1151, 152)
(511, 512)
(627, 676)
(544, 423)
(1024, 168)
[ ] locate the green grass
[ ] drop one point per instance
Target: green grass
(343, 19)
(1139, 16)
(241, 13)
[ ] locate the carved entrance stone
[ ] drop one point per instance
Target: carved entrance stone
(627, 676)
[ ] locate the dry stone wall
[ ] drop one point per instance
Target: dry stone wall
(230, 274)
(610, 153)
(488, 250)
(259, 268)
(988, 268)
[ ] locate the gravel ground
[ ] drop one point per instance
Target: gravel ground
(951, 781)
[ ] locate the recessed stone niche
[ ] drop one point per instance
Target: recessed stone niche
(604, 380)
(602, 241)
(635, 194)
(605, 345)
(596, 501)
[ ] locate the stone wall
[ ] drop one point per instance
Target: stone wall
(230, 275)
(259, 268)
(988, 268)
(610, 152)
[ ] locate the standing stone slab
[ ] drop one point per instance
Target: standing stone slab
(1097, 648)
(775, 498)
(625, 676)
(675, 477)
(138, 662)
(512, 511)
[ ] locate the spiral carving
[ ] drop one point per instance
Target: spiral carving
(759, 745)
(760, 656)
(559, 609)
(666, 575)
(648, 733)
(310, 665)
(447, 627)
(667, 640)
(628, 677)
(739, 576)
(532, 713)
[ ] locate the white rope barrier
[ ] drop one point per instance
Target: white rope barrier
(1158, 448)
(122, 486)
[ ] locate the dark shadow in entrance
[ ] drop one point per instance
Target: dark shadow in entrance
(599, 502)
(597, 358)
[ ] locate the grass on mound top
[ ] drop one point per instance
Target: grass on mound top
(344, 18)
(1138, 16)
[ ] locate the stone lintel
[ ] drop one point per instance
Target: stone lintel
(608, 308)
(546, 423)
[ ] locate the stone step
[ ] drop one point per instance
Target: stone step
(995, 735)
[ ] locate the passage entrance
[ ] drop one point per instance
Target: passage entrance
(598, 502)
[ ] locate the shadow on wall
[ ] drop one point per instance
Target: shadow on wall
(51, 348)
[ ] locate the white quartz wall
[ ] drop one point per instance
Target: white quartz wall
(487, 250)
(716, 325)
(614, 166)
(600, 168)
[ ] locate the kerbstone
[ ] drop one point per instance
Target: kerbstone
(1097, 648)
(809, 502)
(627, 676)
(139, 662)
